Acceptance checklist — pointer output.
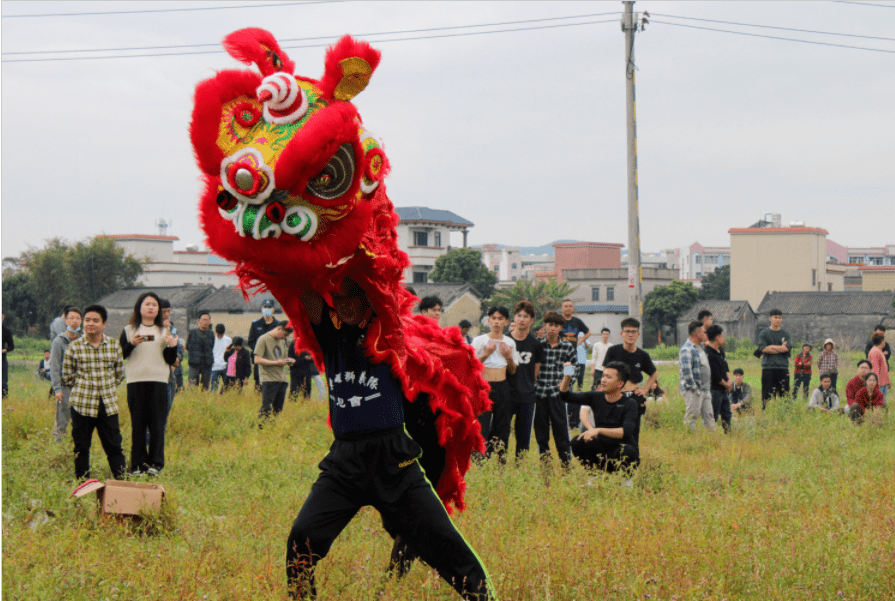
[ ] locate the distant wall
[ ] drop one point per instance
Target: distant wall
(845, 330)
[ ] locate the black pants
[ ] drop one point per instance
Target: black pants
(200, 374)
(803, 380)
(774, 383)
(721, 408)
(273, 396)
(299, 385)
(833, 377)
(525, 417)
(605, 453)
(5, 376)
(109, 434)
(496, 423)
(380, 471)
(550, 412)
(148, 403)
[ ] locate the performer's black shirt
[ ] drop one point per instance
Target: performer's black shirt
(620, 414)
(638, 362)
(363, 396)
(522, 383)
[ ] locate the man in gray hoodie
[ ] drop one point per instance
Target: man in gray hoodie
(57, 353)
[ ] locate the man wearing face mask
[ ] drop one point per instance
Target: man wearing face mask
(57, 353)
(260, 327)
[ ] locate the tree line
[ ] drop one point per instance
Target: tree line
(40, 282)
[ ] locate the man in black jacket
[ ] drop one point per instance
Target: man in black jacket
(612, 441)
(8, 345)
(720, 386)
(199, 347)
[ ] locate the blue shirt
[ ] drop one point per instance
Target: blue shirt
(363, 396)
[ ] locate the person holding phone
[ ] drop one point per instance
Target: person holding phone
(550, 411)
(272, 357)
(150, 350)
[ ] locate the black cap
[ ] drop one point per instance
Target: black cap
(268, 302)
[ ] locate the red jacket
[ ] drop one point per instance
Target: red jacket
(866, 402)
(803, 363)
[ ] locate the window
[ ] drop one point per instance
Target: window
(610, 293)
(875, 261)
(829, 286)
(595, 294)
(814, 277)
(514, 278)
(419, 277)
(514, 266)
(699, 259)
(420, 239)
(438, 239)
(497, 268)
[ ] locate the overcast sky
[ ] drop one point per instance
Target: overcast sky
(522, 133)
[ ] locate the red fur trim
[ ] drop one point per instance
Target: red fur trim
(252, 45)
(209, 99)
(346, 47)
(314, 145)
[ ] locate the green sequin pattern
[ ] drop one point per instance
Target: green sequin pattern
(248, 219)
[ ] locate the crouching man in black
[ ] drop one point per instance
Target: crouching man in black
(611, 443)
(373, 461)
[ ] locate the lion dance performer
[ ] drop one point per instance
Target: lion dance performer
(294, 195)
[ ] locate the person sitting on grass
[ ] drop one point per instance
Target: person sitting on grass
(43, 368)
(868, 397)
(856, 383)
(740, 393)
(824, 396)
(609, 443)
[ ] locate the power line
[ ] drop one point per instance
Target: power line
(773, 37)
(865, 4)
(326, 37)
(430, 37)
(851, 35)
(171, 10)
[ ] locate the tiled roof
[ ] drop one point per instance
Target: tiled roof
(228, 298)
(447, 292)
(722, 311)
(427, 214)
(180, 296)
(828, 303)
(601, 308)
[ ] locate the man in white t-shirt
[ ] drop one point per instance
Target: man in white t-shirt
(498, 354)
(219, 365)
(599, 355)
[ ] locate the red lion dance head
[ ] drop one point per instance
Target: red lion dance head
(294, 195)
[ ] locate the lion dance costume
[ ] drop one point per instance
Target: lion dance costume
(294, 195)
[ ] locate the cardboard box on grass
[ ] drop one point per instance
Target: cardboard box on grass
(123, 499)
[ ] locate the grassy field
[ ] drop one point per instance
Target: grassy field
(791, 505)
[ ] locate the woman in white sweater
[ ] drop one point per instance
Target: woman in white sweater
(150, 350)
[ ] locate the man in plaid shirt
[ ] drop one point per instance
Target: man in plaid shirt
(93, 368)
(696, 377)
(549, 410)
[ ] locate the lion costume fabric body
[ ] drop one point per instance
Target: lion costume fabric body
(294, 195)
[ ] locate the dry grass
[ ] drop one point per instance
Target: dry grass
(790, 506)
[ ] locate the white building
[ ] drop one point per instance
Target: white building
(695, 261)
(506, 263)
(165, 266)
(424, 234)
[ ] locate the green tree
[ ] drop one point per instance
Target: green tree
(19, 306)
(664, 305)
(464, 265)
(77, 274)
(544, 295)
(716, 285)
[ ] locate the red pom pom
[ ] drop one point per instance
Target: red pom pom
(246, 114)
(275, 211)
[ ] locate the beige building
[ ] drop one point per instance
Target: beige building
(424, 234)
(164, 267)
(792, 259)
(877, 278)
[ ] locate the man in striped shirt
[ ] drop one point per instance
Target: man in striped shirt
(93, 368)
